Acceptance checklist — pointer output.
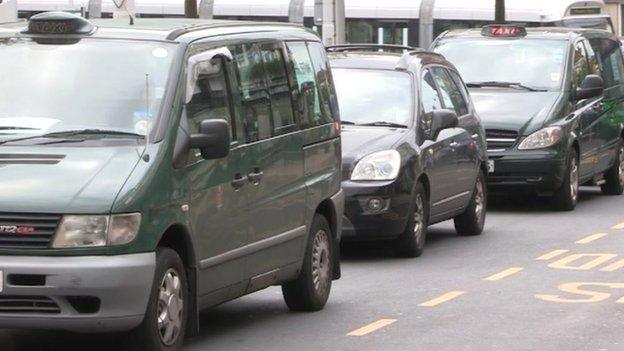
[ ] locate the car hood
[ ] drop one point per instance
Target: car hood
(523, 112)
(358, 142)
(63, 179)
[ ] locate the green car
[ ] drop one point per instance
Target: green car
(552, 104)
(151, 170)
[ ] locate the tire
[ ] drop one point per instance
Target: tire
(614, 177)
(310, 291)
(169, 274)
(566, 197)
(472, 221)
(412, 242)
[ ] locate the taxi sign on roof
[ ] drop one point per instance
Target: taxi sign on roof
(504, 31)
(59, 23)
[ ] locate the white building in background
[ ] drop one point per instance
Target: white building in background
(8, 11)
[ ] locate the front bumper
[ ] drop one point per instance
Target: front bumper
(81, 294)
(541, 171)
(360, 223)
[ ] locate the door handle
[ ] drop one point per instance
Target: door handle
(454, 145)
(475, 136)
(255, 177)
(239, 181)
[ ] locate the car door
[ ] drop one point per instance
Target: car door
(464, 146)
(438, 155)
(274, 161)
(218, 196)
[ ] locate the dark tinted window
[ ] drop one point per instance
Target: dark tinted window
(581, 63)
(609, 59)
(279, 88)
(452, 96)
(324, 80)
(253, 92)
(430, 100)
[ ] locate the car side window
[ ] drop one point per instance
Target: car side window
(430, 100)
(254, 95)
(279, 88)
(324, 80)
(609, 57)
(581, 64)
(459, 82)
(451, 95)
(309, 103)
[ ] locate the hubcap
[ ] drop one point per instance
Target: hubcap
(574, 182)
(170, 307)
(479, 199)
(321, 262)
(419, 220)
(621, 166)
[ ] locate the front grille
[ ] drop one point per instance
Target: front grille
(27, 231)
(500, 140)
(28, 304)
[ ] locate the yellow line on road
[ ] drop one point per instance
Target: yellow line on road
(613, 266)
(372, 327)
(618, 226)
(593, 237)
(504, 274)
(551, 254)
(442, 299)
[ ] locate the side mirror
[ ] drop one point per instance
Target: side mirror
(442, 119)
(592, 86)
(213, 139)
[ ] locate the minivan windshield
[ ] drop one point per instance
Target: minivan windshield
(375, 98)
(534, 64)
(96, 85)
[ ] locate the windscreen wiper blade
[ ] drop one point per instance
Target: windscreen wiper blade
(503, 85)
(347, 123)
(384, 124)
(70, 133)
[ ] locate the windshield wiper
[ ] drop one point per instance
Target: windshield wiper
(16, 128)
(384, 124)
(70, 133)
(347, 123)
(503, 85)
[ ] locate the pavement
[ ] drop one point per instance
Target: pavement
(534, 280)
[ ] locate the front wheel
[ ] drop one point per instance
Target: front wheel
(614, 177)
(165, 319)
(472, 221)
(566, 197)
(310, 291)
(412, 242)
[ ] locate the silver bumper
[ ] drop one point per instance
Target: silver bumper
(82, 294)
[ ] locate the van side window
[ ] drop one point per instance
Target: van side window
(279, 87)
(430, 100)
(452, 96)
(610, 61)
(253, 93)
(309, 104)
(211, 97)
(581, 64)
(323, 77)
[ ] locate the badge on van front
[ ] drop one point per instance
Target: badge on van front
(13, 229)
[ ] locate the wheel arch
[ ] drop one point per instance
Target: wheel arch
(328, 210)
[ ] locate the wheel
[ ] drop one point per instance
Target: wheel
(614, 177)
(472, 221)
(310, 291)
(412, 242)
(165, 320)
(566, 197)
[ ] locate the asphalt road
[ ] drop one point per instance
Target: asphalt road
(535, 280)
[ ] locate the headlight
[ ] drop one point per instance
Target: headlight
(94, 231)
(382, 165)
(543, 138)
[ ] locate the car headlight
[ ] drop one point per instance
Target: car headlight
(543, 138)
(94, 231)
(382, 165)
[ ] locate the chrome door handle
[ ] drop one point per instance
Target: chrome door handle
(239, 181)
(454, 145)
(255, 177)
(475, 137)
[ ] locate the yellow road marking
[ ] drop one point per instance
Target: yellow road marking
(595, 260)
(442, 299)
(613, 266)
(372, 327)
(593, 237)
(618, 226)
(551, 254)
(504, 274)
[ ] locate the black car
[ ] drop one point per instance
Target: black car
(414, 151)
(552, 103)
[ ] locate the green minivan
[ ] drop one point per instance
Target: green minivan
(155, 168)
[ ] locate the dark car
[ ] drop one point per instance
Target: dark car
(155, 169)
(552, 103)
(414, 151)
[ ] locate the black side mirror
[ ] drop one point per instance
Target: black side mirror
(592, 86)
(443, 119)
(213, 139)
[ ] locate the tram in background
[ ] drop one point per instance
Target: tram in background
(372, 21)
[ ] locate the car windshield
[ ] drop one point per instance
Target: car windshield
(108, 85)
(533, 63)
(382, 98)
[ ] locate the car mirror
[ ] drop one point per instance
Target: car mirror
(443, 119)
(213, 139)
(592, 86)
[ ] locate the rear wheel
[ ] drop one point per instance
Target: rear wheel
(412, 242)
(311, 289)
(614, 177)
(472, 221)
(566, 198)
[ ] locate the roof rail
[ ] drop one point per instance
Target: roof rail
(369, 47)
